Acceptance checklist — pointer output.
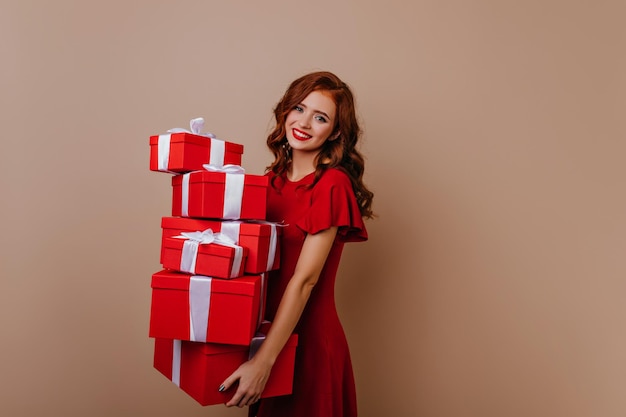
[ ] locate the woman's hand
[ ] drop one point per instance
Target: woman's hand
(252, 377)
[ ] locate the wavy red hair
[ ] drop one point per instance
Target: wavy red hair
(339, 153)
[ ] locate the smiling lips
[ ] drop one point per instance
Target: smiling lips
(300, 135)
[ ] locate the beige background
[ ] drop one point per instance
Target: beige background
(494, 280)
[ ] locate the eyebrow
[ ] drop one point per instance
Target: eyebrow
(316, 111)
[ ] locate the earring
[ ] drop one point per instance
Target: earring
(287, 149)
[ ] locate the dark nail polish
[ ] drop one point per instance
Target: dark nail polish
(221, 388)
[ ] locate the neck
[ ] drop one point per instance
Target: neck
(302, 164)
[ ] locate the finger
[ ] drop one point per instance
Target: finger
(253, 399)
(247, 401)
(242, 402)
(236, 399)
(228, 382)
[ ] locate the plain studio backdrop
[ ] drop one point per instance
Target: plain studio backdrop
(494, 280)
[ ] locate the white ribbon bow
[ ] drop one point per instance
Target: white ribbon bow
(194, 239)
(196, 125)
(206, 236)
(228, 168)
(218, 146)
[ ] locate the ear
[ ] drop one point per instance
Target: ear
(335, 136)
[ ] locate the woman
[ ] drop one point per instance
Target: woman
(317, 190)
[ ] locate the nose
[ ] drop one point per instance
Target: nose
(304, 121)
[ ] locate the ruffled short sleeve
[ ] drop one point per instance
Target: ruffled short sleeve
(333, 203)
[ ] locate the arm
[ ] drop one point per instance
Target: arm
(253, 375)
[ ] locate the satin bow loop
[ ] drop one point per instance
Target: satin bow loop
(207, 236)
(228, 168)
(196, 125)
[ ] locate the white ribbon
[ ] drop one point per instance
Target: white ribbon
(185, 195)
(199, 305)
(233, 196)
(256, 342)
(271, 256)
(163, 154)
(176, 356)
(233, 188)
(195, 239)
(217, 146)
(262, 303)
(217, 152)
(232, 230)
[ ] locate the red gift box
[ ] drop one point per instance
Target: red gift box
(219, 195)
(202, 309)
(200, 368)
(186, 152)
(203, 258)
(261, 239)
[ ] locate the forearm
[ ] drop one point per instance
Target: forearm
(310, 264)
(253, 375)
(289, 311)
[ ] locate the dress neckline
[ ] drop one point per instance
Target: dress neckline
(307, 176)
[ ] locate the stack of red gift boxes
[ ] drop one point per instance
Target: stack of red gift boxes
(208, 301)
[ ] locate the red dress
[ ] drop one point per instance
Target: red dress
(323, 379)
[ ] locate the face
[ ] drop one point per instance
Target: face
(310, 123)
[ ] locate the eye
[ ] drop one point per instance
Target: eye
(298, 109)
(321, 119)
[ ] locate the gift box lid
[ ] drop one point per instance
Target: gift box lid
(174, 280)
(220, 177)
(213, 348)
(190, 224)
(197, 140)
(205, 348)
(213, 249)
